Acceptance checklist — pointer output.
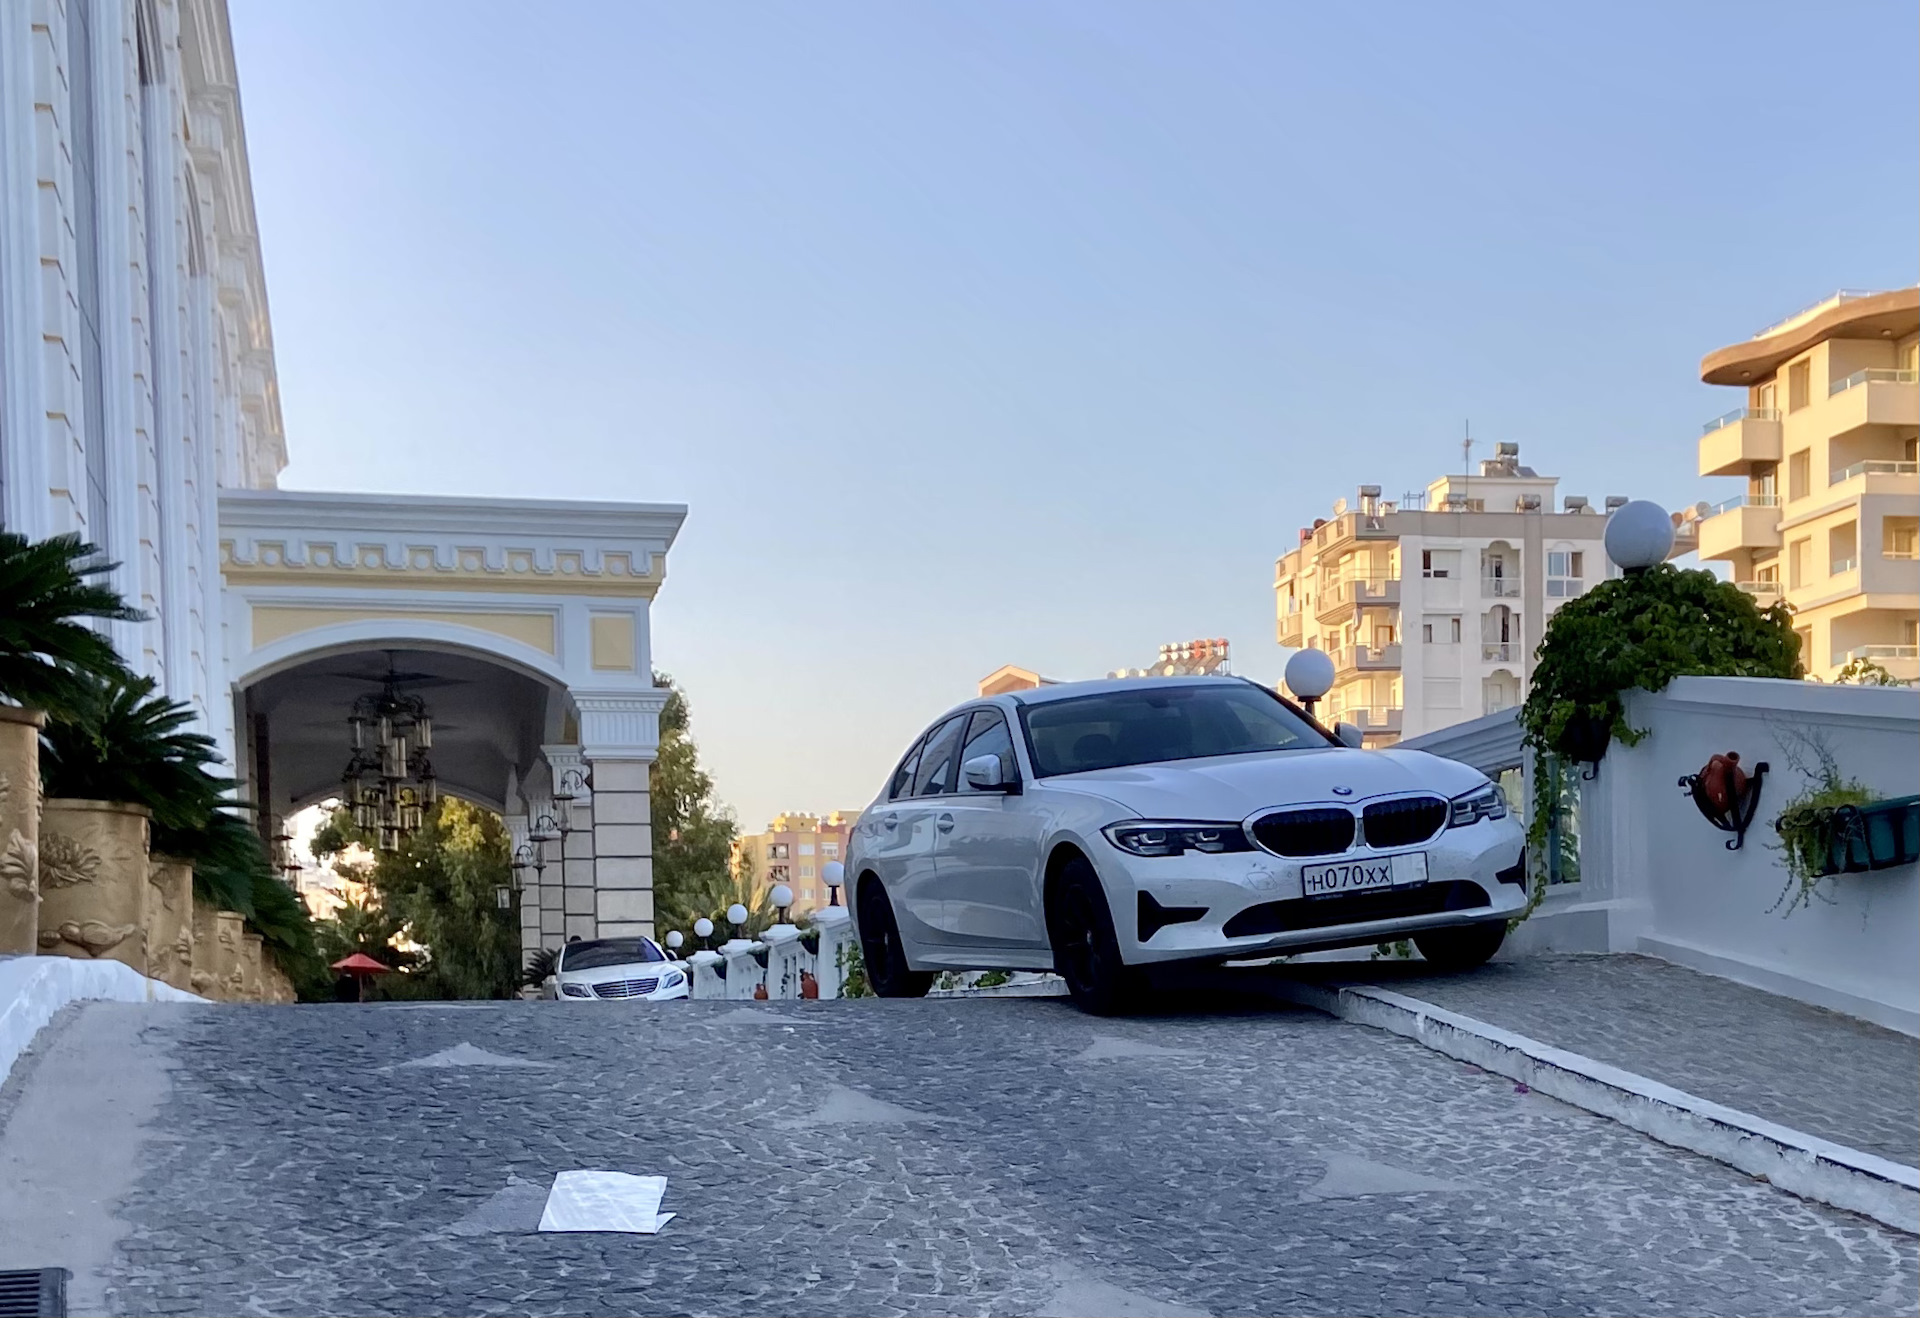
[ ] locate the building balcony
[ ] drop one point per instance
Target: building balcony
(1374, 718)
(1500, 588)
(1901, 479)
(1339, 600)
(1745, 522)
(1348, 527)
(1763, 592)
(1903, 661)
(1873, 398)
(1351, 660)
(1730, 445)
(1500, 652)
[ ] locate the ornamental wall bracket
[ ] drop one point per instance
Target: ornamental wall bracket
(1726, 795)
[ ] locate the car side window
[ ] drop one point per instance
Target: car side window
(988, 735)
(938, 765)
(903, 776)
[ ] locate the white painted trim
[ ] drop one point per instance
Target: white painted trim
(392, 633)
(1801, 1164)
(549, 521)
(33, 988)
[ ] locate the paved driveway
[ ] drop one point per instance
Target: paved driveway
(974, 1156)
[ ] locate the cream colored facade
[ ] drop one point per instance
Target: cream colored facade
(1432, 605)
(794, 850)
(1825, 442)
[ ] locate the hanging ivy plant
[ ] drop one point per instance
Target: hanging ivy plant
(1643, 630)
(1637, 631)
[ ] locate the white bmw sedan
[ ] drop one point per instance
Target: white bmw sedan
(1097, 828)
(616, 970)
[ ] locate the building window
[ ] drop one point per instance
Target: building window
(1799, 563)
(1799, 474)
(1764, 483)
(1564, 572)
(776, 851)
(778, 874)
(806, 871)
(1843, 548)
(1438, 564)
(806, 848)
(1453, 631)
(1798, 379)
(831, 850)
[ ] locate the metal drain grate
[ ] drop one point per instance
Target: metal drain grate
(34, 1293)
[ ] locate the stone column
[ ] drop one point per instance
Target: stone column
(229, 934)
(619, 735)
(93, 881)
(203, 980)
(170, 921)
(574, 852)
(253, 968)
(19, 830)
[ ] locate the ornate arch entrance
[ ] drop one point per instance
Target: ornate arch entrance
(521, 625)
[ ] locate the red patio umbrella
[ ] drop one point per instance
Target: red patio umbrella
(362, 967)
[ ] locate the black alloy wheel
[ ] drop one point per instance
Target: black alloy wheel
(880, 948)
(1086, 952)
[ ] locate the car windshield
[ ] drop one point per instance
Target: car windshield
(1154, 724)
(609, 952)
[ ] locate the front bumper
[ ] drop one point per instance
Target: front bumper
(1249, 904)
(619, 988)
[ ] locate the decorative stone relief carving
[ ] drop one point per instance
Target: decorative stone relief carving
(19, 867)
(93, 937)
(65, 861)
(94, 881)
(19, 831)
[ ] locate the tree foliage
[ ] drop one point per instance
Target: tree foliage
(1642, 631)
(46, 652)
(439, 888)
(692, 834)
(117, 740)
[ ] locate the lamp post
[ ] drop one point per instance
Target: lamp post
(1310, 676)
(703, 930)
(674, 940)
(1639, 535)
(782, 897)
(835, 874)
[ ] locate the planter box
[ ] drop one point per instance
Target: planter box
(93, 881)
(19, 830)
(1876, 836)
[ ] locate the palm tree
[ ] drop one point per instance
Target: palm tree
(46, 653)
(116, 740)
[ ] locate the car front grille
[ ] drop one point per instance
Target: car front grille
(1404, 822)
(1355, 908)
(627, 988)
(1322, 832)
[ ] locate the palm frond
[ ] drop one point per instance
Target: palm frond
(44, 593)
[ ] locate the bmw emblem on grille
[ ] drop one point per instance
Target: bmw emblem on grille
(1343, 791)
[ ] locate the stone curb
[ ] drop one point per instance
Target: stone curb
(1800, 1164)
(33, 988)
(1049, 987)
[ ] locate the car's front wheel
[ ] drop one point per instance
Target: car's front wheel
(1462, 947)
(881, 949)
(1086, 952)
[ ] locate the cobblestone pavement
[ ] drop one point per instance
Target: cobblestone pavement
(1816, 1071)
(955, 1157)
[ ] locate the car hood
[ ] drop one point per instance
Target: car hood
(1232, 787)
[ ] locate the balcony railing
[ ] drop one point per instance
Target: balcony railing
(1761, 589)
(1907, 555)
(1374, 718)
(1840, 565)
(1498, 652)
(1745, 501)
(1884, 652)
(1740, 414)
(1500, 587)
(1834, 299)
(1873, 375)
(1873, 468)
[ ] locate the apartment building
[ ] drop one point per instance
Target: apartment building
(794, 850)
(1825, 442)
(1432, 605)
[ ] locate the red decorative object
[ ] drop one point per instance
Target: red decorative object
(1726, 796)
(809, 986)
(759, 992)
(1723, 782)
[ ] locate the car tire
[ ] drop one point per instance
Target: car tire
(1086, 953)
(1462, 947)
(881, 948)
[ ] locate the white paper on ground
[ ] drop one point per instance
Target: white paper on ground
(605, 1201)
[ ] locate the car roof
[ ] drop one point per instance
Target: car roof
(1068, 690)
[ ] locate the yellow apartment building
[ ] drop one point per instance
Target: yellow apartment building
(794, 850)
(1825, 442)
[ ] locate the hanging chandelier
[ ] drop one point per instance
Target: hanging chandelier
(389, 783)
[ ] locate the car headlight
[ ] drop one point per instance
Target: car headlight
(576, 990)
(674, 979)
(1151, 837)
(1487, 802)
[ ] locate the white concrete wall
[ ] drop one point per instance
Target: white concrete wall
(1677, 892)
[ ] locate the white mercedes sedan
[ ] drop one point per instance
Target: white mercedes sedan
(1098, 828)
(616, 970)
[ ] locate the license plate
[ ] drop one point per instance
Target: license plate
(1358, 875)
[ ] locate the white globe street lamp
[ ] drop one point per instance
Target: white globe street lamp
(835, 874)
(1310, 676)
(1639, 535)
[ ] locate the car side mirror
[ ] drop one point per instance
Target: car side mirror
(982, 773)
(1348, 735)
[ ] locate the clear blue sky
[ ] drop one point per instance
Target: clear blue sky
(982, 333)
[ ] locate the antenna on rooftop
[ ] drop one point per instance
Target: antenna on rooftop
(1466, 461)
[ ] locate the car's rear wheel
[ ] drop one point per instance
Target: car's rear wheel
(1086, 954)
(880, 947)
(1463, 947)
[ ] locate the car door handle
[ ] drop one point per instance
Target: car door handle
(945, 823)
(891, 823)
